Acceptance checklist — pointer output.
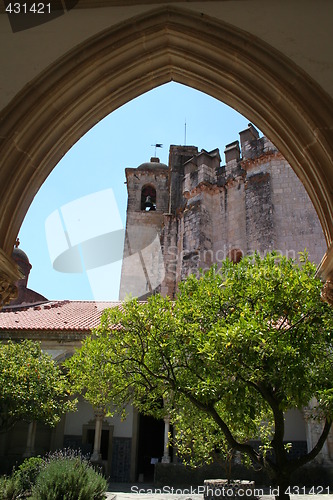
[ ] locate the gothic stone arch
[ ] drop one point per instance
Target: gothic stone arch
(50, 114)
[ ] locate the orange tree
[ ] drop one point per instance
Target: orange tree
(235, 350)
(32, 385)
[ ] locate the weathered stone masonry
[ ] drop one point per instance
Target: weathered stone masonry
(206, 211)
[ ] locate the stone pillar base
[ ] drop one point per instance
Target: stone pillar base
(96, 457)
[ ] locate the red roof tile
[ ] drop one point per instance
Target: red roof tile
(66, 315)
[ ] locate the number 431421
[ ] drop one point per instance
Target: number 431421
(23, 8)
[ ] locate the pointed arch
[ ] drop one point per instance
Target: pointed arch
(50, 114)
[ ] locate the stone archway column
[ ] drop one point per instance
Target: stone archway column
(327, 292)
(30, 447)
(325, 271)
(96, 455)
(166, 455)
(9, 275)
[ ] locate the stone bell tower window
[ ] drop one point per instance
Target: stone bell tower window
(148, 198)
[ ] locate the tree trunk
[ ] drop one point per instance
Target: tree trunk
(282, 489)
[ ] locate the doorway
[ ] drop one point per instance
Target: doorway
(151, 445)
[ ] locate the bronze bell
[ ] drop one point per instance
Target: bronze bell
(148, 203)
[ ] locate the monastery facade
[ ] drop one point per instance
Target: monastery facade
(181, 217)
(195, 212)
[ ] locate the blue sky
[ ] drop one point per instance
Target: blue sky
(97, 163)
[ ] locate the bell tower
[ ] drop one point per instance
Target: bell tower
(148, 200)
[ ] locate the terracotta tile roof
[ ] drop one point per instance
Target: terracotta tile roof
(66, 315)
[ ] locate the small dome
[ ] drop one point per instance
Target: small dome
(153, 164)
(150, 165)
(23, 263)
(20, 256)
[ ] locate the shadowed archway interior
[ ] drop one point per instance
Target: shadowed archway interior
(167, 44)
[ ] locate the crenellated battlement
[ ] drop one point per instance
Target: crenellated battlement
(250, 148)
(192, 168)
(201, 168)
(197, 211)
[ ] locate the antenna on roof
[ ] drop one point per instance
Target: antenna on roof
(185, 133)
(157, 145)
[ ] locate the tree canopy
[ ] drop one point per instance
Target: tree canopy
(226, 358)
(32, 386)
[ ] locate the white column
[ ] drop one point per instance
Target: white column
(30, 447)
(96, 455)
(166, 455)
(308, 428)
(313, 430)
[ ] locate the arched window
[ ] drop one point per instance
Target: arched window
(148, 198)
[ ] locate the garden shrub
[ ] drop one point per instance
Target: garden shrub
(19, 484)
(9, 488)
(67, 475)
(26, 474)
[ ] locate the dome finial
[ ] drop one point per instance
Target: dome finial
(17, 243)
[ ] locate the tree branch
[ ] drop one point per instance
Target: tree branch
(233, 443)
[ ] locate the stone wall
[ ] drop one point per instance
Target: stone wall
(208, 211)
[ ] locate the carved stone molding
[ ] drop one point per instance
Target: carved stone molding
(325, 272)
(99, 413)
(9, 275)
(327, 292)
(8, 291)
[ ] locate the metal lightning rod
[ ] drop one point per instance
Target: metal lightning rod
(157, 146)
